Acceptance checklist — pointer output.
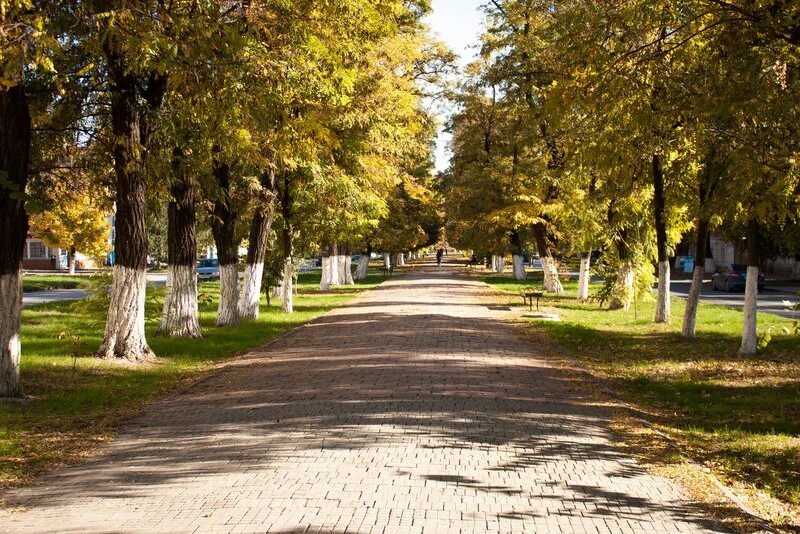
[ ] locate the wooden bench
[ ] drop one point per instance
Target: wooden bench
(529, 295)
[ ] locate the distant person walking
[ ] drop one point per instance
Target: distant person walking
(439, 254)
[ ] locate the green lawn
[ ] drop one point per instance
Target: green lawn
(75, 403)
(44, 282)
(737, 415)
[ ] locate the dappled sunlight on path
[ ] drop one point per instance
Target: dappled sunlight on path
(416, 408)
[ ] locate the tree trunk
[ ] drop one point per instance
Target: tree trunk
(519, 267)
(500, 265)
(387, 260)
(257, 245)
(124, 336)
(622, 292)
(286, 212)
(71, 260)
(346, 276)
(552, 283)
(692, 300)
(583, 276)
(363, 267)
(223, 227)
(749, 329)
(400, 259)
(327, 263)
(179, 317)
(15, 144)
(663, 311)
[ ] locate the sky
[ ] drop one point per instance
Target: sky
(458, 24)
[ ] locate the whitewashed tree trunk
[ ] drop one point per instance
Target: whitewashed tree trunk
(749, 329)
(400, 259)
(334, 270)
(690, 312)
(622, 293)
(363, 267)
(228, 311)
(288, 306)
(124, 336)
(10, 347)
(663, 308)
(500, 267)
(325, 277)
(387, 260)
(551, 284)
(494, 263)
(583, 276)
(519, 267)
(71, 260)
(250, 297)
(348, 270)
(179, 317)
(341, 262)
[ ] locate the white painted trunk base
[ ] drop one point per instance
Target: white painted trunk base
(749, 327)
(400, 259)
(583, 277)
(663, 308)
(622, 293)
(690, 312)
(348, 270)
(551, 284)
(334, 270)
(363, 267)
(325, 276)
(179, 316)
(501, 264)
(10, 347)
(518, 267)
(124, 336)
(286, 293)
(250, 297)
(228, 311)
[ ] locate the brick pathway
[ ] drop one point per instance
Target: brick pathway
(415, 409)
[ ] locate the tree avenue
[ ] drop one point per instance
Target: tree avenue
(621, 128)
(289, 128)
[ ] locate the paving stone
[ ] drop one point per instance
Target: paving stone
(415, 408)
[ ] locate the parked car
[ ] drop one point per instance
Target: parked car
(208, 269)
(733, 277)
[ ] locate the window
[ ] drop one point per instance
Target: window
(37, 250)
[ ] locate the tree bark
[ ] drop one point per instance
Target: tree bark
(387, 260)
(519, 267)
(179, 317)
(15, 146)
(692, 300)
(622, 292)
(749, 327)
(400, 259)
(346, 266)
(552, 283)
(223, 228)
(663, 311)
(583, 276)
(363, 267)
(124, 336)
(257, 245)
(286, 212)
(328, 251)
(71, 260)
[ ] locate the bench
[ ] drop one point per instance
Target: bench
(529, 295)
(385, 271)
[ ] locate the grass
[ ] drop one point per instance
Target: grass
(75, 403)
(45, 282)
(739, 416)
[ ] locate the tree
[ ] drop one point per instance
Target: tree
(75, 218)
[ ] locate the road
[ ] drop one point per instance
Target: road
(770, 300)
(60, 295)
